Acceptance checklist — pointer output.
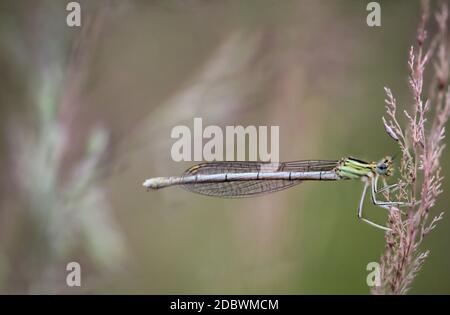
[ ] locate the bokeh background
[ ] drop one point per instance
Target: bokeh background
(86, 115)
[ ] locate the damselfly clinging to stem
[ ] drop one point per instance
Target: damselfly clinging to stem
(247, 179)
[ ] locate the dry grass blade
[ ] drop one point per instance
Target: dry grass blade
(421, 144)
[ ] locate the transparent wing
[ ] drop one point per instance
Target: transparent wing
(249, 188)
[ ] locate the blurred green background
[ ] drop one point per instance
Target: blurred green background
(86, 115)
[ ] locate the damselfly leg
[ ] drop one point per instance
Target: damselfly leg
(385, 204)
(360, 209)
(372, 180)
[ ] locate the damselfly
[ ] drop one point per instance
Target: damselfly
(247, 179)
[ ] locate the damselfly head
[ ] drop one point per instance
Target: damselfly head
(385, 167)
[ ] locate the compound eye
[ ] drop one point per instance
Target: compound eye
(382, 167)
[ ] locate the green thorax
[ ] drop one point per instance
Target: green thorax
(351, 168)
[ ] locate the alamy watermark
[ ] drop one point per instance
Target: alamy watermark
(73, 18)
(73, 278)
(374, 17)
(240, 143)
(373, 279)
